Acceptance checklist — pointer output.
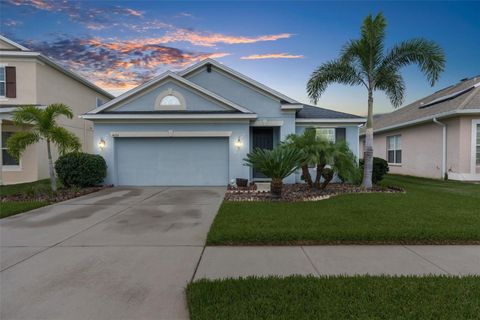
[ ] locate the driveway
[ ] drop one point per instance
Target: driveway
(121, 253)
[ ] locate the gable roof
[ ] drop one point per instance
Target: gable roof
(27, 53)
(314, 112)
(13, 43)
(237, 75)
(154, 81)
(461, 98)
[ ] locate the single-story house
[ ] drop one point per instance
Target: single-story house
(29, 78)
(196, 126)
(435, 137)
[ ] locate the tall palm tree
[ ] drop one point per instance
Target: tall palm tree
(40, 124)
(364, 62)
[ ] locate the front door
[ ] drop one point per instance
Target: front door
(263, 139)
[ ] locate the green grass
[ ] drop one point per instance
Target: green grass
(11, 208)
(23, 187)
(431, 211)
(361, 297)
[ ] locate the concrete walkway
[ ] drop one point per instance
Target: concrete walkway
(222, 262)
(121, 253)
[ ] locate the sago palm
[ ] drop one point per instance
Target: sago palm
(40, 124)
(306, 145)
(365, 62)
(276, 164)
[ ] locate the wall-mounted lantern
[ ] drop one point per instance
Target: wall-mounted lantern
(101, 144)
(238, 143)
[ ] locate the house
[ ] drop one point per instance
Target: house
(437, 136)
(28, 77)
(196, 126)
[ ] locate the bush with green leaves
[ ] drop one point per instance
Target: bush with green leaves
(81, 169)
(380, 168)
(276, 164)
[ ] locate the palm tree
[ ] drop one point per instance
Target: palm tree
(306, 145)
(42, 126)
(363, 62)
(276, 164)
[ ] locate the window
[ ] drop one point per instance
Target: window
(327, 133)
(478, 145)
(8, 160)
(170, 100)
(2, 81)
(394, 149)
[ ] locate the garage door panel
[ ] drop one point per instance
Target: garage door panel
(172, 161)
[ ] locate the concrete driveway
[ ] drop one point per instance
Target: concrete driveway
(121, 253)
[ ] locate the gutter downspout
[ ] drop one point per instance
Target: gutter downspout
(444, 147)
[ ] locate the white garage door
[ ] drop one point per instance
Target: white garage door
(172, 161)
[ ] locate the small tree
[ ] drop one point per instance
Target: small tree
(42, 126)
(276, 164)
(343, 163)
(306, 145)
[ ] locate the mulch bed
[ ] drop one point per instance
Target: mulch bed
(62, 194)
(301, 192)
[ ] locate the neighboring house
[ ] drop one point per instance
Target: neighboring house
(434, 137)
(196, 126)
(28, 77)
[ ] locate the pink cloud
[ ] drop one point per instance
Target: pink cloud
(271, 56)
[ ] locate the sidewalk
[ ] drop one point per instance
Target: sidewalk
(222, 262)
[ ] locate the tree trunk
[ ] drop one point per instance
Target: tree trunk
(368, 150)
(276, 187)
(320, 168)
(53, 183)
(306, 175)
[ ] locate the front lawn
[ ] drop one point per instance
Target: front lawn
(430, 212)
(10, 208)
(361, 297)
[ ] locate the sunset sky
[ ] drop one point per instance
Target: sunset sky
(120, 44)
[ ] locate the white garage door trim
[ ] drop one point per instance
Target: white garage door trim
(170, 133)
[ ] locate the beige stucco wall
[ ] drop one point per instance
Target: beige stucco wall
(6, 46)
(38, 83)
(422, 148)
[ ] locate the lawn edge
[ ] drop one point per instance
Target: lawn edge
(341, 242)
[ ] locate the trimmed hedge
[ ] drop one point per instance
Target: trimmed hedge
(81, 169)
(380, 168)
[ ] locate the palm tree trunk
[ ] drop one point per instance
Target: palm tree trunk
(306, 175)
(53, 183)
(320, 168)
(368, 150)
(276, 186)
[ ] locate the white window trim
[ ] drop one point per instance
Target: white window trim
(2, 65)
(473, 161)
(170, 92)
(394, 151)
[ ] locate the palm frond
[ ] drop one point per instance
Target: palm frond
(276, 164)
(428, 55)
(27, 115)
(56, 109)
(330, 72)
(393, 85)
(19, 141)
(64, 140)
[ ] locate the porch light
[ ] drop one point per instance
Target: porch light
(238, 143)
(101, 144)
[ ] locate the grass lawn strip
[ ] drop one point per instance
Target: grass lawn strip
(11, 208)
(430, 212)
(360, 297)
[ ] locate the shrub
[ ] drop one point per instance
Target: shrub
(380, 168)
(81, 169)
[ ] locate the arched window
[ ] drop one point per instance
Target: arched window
(170, 100)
